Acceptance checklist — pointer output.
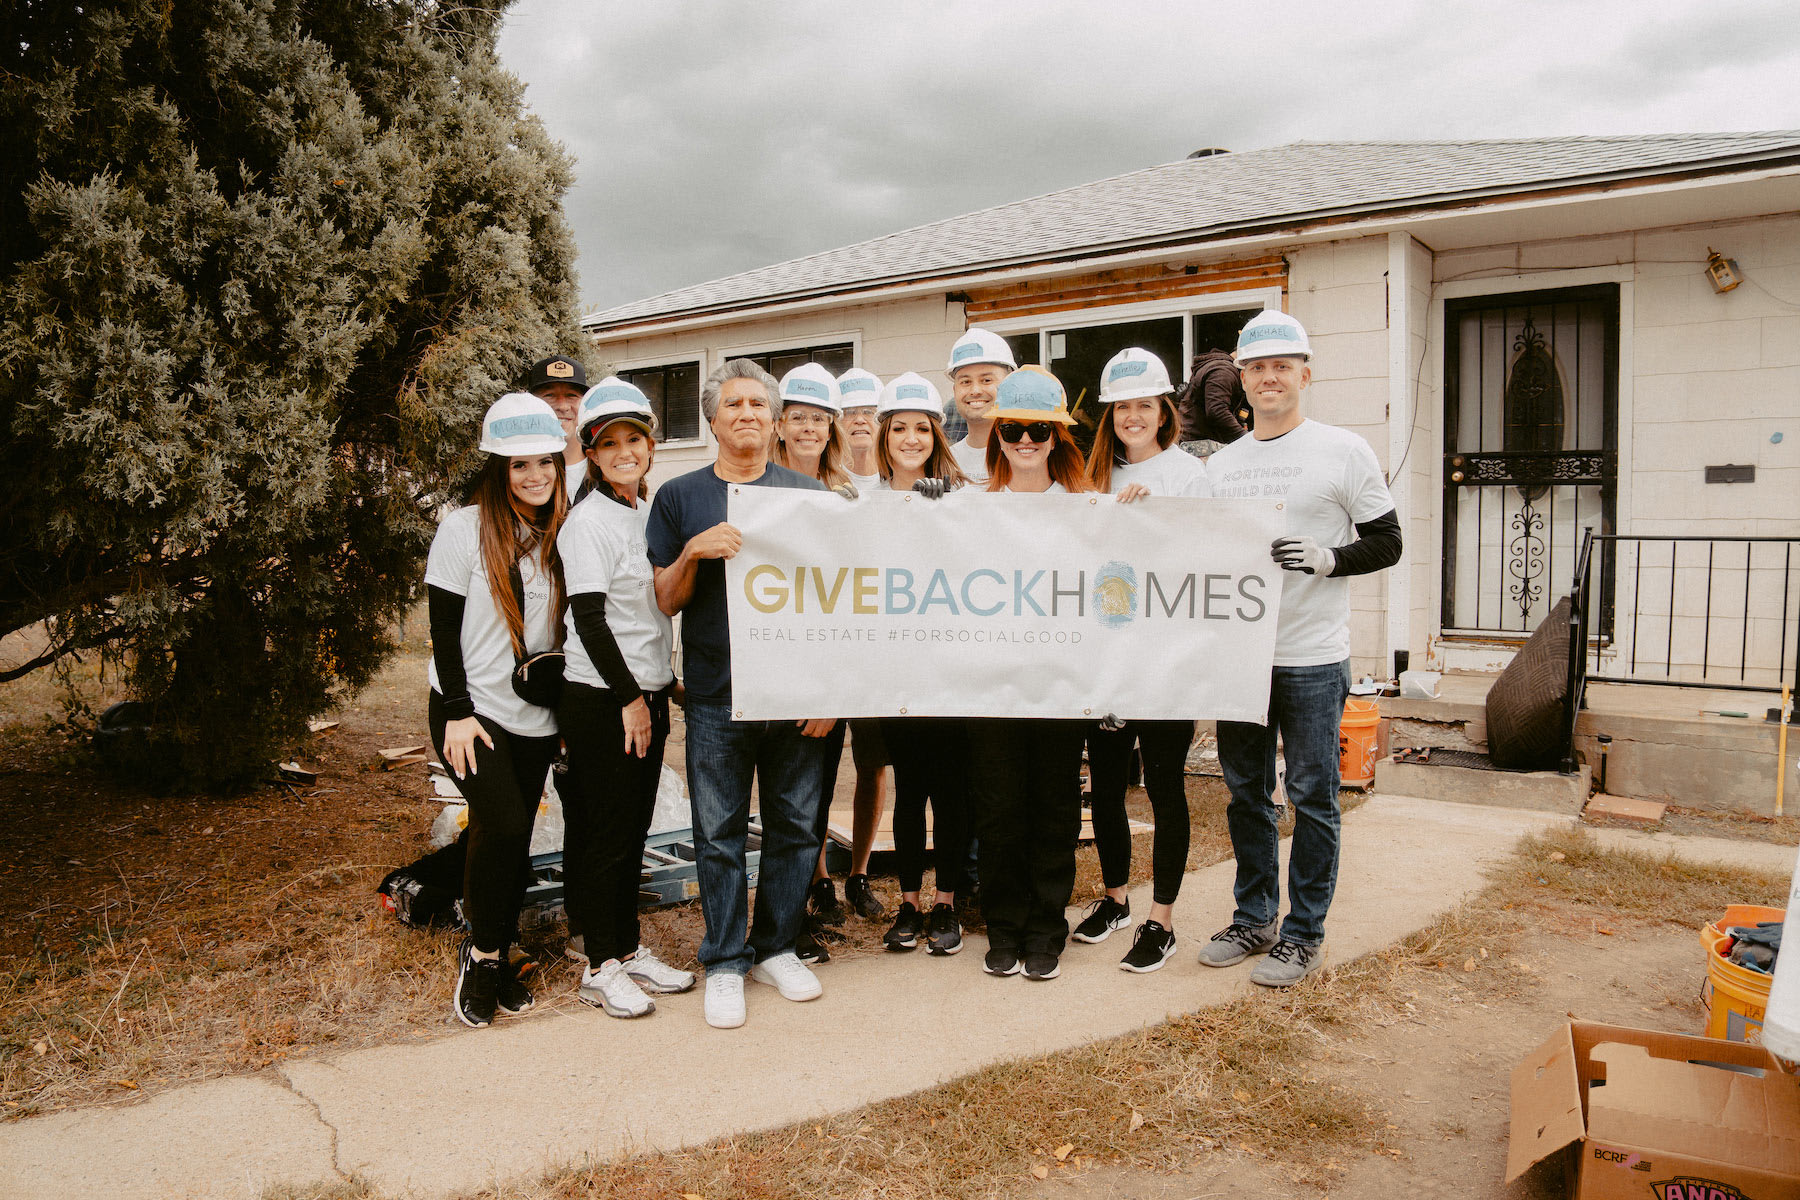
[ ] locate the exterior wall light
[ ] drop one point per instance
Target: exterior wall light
(1721, 271)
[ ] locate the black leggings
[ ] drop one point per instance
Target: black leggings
(834, 758)
(503, 794)
(607, 804)
(1025, 782)
(931, 761)
(1164, 745)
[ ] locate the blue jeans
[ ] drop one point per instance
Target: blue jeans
(722, 757)
(1307, 705)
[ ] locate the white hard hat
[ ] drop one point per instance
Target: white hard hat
(519, 424)
(1272, 334)
(857, 388)
(980, 346)
(911, 393)
(1133, 373)
(612, 399)
(809, 383)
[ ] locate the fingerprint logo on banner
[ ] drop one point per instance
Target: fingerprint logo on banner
(1115, 594)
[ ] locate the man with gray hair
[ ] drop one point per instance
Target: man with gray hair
(690, 539)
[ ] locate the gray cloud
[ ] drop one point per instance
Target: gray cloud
(714, 137)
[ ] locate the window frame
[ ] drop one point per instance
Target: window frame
(676, 360)
(1184, 307)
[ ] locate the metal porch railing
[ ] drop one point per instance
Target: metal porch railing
(1700, 612)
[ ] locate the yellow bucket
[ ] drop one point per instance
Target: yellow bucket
(1735, 996)
(1358, 739)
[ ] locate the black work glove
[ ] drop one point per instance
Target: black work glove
(931, 489)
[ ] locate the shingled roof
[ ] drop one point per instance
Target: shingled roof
(1215, 196)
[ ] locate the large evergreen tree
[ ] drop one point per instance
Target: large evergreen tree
(262, 265)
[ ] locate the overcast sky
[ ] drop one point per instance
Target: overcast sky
(710, 138)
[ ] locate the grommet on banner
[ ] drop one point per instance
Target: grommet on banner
(903, 710)
(1093, 500)
(1087, 712)
(738, 715)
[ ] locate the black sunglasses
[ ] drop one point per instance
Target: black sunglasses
(1038, 431)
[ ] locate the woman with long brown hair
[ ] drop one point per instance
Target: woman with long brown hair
(931, 754)
(1025, 773)
(495, 596)
(1134, 456)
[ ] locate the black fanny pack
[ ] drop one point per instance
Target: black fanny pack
(536, 678)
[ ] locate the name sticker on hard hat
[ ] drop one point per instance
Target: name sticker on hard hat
(531, 423)
(856, 385)
(966, 350)
(911, 391)
(806, 387)
(1126, 370)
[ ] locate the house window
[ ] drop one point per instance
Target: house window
(673, 390)
(836, 358)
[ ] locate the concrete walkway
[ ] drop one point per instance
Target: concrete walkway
(568, 1085)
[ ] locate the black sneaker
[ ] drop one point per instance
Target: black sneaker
(822, 899)
(513, 997)
(904, 933)
(477, 987)
(1041, 965)
(1001, 961)
(1153, 947)
(943, 932)
(808, 948)
(1103, 916)
(862, 900)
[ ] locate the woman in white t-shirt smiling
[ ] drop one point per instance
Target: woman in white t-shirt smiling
(1025, 774)
(614, 713)
(495, 596)
(930, 754)
(1134, 456)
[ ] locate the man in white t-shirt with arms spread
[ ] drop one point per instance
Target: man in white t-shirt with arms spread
(978, 362)
(1340, 522)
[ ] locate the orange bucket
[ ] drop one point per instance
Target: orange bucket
(1358, 739)
(1735, 996)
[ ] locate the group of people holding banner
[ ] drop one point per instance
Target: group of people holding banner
(525, 571)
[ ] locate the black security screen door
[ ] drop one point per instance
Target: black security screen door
(1531, 432)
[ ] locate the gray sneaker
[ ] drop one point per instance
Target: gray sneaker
(1288, 963)
(1234, 943)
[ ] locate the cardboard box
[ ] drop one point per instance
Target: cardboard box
(1650, 1116)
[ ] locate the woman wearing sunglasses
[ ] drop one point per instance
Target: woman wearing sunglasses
(1134, 456)
(930, 754)
(1025, 773)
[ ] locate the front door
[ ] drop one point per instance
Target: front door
(1531, 434)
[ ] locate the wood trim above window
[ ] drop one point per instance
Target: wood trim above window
(1125, 286)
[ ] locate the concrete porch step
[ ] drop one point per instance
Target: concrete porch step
(1663, 746)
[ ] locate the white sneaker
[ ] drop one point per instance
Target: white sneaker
(789, 976)
(724, 1000)
(608, 987)
(656, 976)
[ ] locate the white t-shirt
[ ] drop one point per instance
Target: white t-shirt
(576, 473)
(1054, 487)
(1174, 472)
(1330, 480)
(603, 550)
(972, 460)
(455, 565)
(864, 483)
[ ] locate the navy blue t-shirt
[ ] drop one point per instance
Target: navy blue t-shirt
(685, 506)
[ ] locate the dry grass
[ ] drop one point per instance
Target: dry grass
(1246, 1078)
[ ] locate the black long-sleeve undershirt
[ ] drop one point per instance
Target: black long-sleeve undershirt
(444, 612)
(602, 648)
(1377, 547)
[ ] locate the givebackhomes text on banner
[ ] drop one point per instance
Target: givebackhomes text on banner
(983, 604)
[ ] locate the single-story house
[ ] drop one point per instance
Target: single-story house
(1531, 333)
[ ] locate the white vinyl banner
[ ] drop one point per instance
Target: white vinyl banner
(1001, 605)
